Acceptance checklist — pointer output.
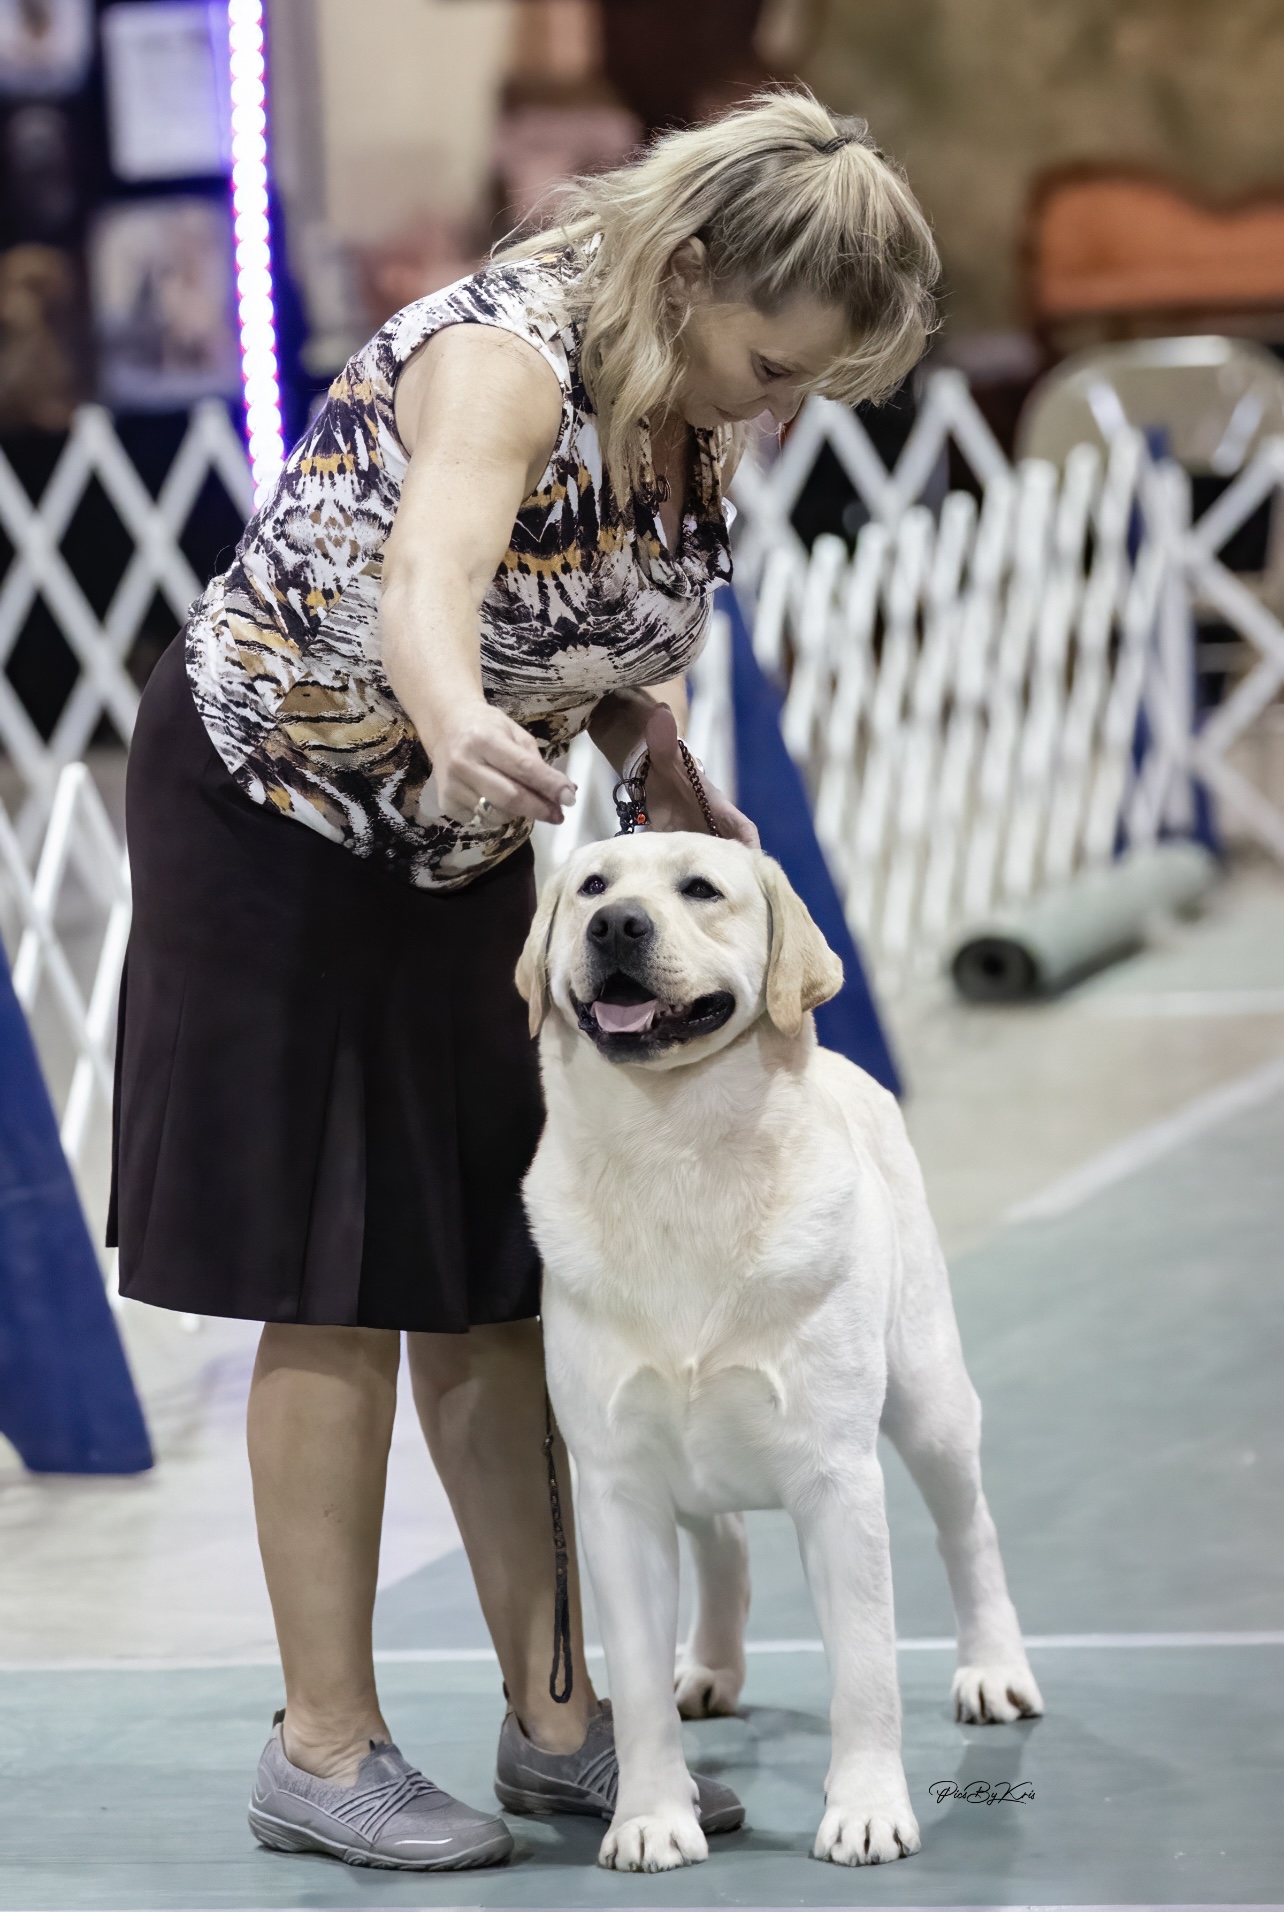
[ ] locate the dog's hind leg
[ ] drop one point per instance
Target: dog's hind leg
(933, 1418)
(711, 1666)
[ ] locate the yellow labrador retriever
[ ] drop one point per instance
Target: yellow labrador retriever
(742, 1285)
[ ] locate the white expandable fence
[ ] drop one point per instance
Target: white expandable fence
(766, 493)
(1199, 580)
(963, 691)
(79, 830)
(964, 695)
(984, 702)
(93, 452)
(64, 879)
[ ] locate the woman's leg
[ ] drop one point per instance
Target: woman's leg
(480, 1398)
(319, 1427)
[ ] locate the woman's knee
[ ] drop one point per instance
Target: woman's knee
(508, 1354)
(358, 1356)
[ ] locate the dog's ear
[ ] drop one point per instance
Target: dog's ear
(802, 970)
(532, 964)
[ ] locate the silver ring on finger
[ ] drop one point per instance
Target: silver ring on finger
(481, 814)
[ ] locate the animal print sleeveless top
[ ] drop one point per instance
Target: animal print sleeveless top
(283, 649)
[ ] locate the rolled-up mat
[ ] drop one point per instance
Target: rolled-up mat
(1041, 945)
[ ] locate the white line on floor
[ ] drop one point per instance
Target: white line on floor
(945, 1643)
(481, 1655)
(1151, 1144)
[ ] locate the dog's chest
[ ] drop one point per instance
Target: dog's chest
(696, 1249)
(712, 1312)
(719, 1431)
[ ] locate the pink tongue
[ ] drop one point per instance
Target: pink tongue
(624, 1018)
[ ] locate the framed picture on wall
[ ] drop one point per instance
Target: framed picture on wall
(162, 283)
(46, 46)
(168, 88)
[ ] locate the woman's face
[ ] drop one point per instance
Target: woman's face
(740, 362)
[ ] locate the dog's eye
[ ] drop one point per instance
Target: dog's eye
(701, 890)
(592, 886)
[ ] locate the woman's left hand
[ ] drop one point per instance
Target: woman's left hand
(671, 802)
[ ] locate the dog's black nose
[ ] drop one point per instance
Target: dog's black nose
(621, 930)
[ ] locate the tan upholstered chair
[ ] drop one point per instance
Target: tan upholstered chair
(1120, 254)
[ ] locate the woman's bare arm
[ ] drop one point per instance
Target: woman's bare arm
(479, 412)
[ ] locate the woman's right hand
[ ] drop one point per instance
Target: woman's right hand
(478, 751)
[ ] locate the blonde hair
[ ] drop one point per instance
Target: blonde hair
(788, 199)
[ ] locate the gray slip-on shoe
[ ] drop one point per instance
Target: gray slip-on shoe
(529, 1780)
(390, 1816)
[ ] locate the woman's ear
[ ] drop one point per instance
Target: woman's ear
(689, 266)
(532, 964)
(802, 970)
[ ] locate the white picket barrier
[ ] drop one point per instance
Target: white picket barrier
(1205, 582)
(766, 493)
(88, 1020)
(38, 568)
(964, 691)
(60, 829)
(964, 694)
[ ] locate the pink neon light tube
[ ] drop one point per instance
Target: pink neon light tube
(256, 307)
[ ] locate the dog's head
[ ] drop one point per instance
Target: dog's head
(662, 948)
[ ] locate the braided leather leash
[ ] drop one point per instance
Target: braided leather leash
(562, 1666)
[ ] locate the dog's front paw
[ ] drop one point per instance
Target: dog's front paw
(867, 1832)
(994, 1693)
(707, 1692)
(654, 1842)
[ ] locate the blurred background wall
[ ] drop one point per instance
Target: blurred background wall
(399, 167)
(404, 147)
(383, 125)
(407, 135)
(977, 98)
(408, 99)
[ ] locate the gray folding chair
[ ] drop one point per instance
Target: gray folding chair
(1207, 402)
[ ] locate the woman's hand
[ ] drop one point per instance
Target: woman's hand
(671, 801)
(477, 752)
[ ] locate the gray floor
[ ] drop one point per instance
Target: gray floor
(1128, 1355)
(1151, 1781)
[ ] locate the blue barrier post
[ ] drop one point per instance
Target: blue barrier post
(770, 790)
(67, 1401)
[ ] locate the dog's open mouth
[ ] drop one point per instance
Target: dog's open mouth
(626, 1017)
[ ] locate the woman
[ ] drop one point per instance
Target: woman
(327, 1095)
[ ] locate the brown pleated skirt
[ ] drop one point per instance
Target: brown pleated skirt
(326, 1093)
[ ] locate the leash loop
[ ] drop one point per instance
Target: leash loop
(562, 1664)
(629, 794)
